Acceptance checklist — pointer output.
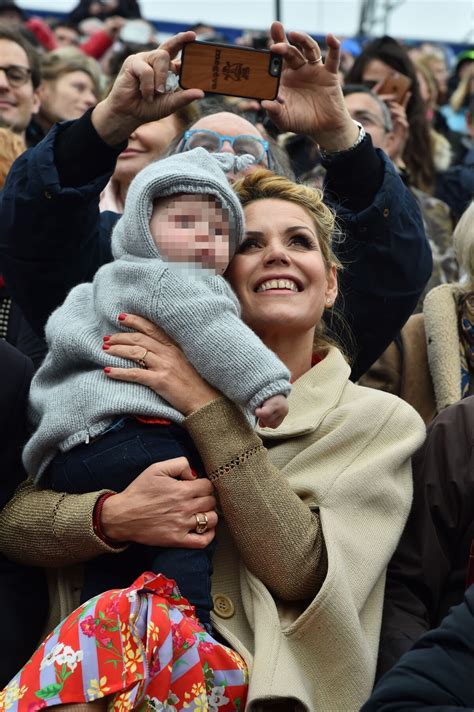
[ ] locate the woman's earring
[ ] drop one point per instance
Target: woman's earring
(328, 301)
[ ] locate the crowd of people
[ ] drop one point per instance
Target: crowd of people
(236, 348)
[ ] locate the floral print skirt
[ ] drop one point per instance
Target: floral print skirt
(141, 647)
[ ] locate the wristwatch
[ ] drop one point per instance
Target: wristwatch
(328, 156)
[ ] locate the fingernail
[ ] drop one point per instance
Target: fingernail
(106, 338)
(161, 89)
(194, 473)
(106, 369)
(122, 317)
(106, 347)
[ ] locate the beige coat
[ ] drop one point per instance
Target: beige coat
(346, 451)
(424, 367)
(343, 450)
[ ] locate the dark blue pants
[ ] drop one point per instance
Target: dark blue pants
(113, 461)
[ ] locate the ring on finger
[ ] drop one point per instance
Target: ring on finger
(316, 59)
(201, 523)
(141, 361)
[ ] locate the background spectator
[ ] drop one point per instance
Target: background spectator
(13, 326)
(22, 620)
(19, 82)
(377, 60)
(436, 674)
(66, 33)
(434, 559)
(70, 84)
(102, 9)
(147, 143)
(431, 365)
(11, 15)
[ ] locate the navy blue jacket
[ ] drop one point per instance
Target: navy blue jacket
(22, 622)
(53, 237)
(437, 673)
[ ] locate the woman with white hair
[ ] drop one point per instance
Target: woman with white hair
(431, 364)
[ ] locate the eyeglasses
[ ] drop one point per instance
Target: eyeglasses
(16, 75)
(213, 142)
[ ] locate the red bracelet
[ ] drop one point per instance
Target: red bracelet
(97, 525)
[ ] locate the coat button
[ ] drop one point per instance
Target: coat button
(386, 212)
(223, 606)
(47, 195)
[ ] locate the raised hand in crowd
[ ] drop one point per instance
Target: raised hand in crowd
(139, 92)
(400, 126)
(310, 100)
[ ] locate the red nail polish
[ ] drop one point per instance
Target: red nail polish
(106, 338)
(106, 347)
(106, 369)
(122, 317)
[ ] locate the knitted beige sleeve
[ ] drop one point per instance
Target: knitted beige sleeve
(278, 536)
(46, 528)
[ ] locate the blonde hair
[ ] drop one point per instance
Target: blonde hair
(423, 66)
(463, 240)
(263, 185)
(11, 146)
(69, 59)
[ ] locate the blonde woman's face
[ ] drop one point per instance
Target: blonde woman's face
(68, 97)
(279, 273)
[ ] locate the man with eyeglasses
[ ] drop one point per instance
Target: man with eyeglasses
(240, 144)
(390, 135)
(387, 254)
(372, 112)
(19, 79)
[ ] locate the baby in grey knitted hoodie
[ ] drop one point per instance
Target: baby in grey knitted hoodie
(181, 226)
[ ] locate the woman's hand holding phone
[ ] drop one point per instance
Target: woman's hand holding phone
(400, 125)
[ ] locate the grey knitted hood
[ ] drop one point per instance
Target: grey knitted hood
(195, 171)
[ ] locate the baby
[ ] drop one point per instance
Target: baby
(181, 226)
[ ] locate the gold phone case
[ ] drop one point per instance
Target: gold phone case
(396, 84)
(226, 69)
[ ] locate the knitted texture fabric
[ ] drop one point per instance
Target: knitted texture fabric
(345, 452)
(193, 172)
(71, 399)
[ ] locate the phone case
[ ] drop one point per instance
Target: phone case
(226, 69)
(397, 84)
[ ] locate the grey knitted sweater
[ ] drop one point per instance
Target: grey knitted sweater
(71, 399)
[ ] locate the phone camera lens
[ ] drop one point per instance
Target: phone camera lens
(275, 67)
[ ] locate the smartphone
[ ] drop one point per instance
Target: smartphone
(232, 70)
(396, 84)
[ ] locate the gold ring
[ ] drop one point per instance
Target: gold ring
(141, 360)
(315, 61)
(201, 523)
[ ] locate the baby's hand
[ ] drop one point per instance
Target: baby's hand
(272, 412)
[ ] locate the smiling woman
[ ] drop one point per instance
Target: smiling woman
(285, 272)
(304, 506)
(70, 84)
(146, 144)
